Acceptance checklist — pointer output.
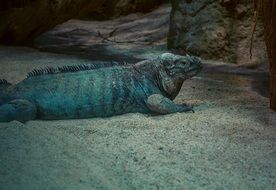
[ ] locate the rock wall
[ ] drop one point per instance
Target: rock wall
(23, 20)
(218, 30)
(114, 8)
(129, 38)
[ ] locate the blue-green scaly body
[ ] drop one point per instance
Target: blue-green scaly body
(100, 92)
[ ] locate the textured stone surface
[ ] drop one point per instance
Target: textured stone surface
(114, 8)
(128, 38)
(22, 20)
(216, 30)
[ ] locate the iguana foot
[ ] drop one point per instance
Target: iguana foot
(162, 105)
(19, 109)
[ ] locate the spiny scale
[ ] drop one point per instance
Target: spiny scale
(72, 68)
(3, 81)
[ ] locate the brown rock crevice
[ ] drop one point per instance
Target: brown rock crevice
(20, 25)
(269, 18)
(115, 8)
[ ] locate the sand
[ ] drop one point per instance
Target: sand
(228, 143)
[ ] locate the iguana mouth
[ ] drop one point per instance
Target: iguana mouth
(197, 67)
(192, 72)
(194, 69)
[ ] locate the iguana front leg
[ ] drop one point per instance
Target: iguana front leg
(162, 105)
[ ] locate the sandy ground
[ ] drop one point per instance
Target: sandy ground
(228, 143)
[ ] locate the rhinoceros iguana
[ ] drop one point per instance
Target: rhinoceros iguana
(85, 91)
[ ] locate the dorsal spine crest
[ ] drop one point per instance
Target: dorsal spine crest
(72, 68)
(3, 81)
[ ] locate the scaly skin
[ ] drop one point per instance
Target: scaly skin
(146, 87)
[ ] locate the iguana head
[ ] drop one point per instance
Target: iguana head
(182, 67)
(176, 69)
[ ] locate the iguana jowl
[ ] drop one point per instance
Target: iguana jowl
(99, 91)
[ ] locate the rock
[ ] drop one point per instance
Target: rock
(23, 20)
(115, 8)
(219, 30)
(127, 38)
(229, 4)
